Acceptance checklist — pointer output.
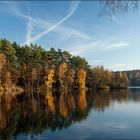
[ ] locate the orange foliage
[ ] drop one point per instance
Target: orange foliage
(49, 77)
(82, 78)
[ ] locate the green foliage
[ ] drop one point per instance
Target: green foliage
(28, 65)
(79, 63)
(7, 48)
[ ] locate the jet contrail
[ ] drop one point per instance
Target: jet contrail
(73, 7)
(29, 26)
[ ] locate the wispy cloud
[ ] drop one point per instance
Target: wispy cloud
(87, 43)
(29, 25)
(47, 26)
(116, 45)
(79, 43)
(97, 46)
(83, 47)
(118, 66)
(116, 20)
(71, 11)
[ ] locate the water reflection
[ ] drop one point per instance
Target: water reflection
(32, 116)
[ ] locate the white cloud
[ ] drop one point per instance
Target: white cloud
(72, 9)
(116, 20)
(46, 26)
(116, 45)
(79, 43)
(96, 46)
(29, 26)
(78, 49)
(118, 66)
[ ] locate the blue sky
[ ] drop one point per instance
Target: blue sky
(75, 27)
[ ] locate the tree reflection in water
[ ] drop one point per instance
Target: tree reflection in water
(32, 116)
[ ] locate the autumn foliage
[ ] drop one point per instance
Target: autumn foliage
(81, 78)
(39, 72)
(49, 79)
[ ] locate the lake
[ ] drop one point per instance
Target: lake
(99, 115)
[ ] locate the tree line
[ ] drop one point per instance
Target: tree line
(134, 77)
(32, 68)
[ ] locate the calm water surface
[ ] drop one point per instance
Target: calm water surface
(102, 115)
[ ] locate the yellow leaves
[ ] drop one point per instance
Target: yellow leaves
(49, 78)
(48, 84)
(82, 78)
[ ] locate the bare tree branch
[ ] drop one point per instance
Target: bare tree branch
(114, 7)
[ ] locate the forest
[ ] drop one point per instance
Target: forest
(35, 71)
(134, 77)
